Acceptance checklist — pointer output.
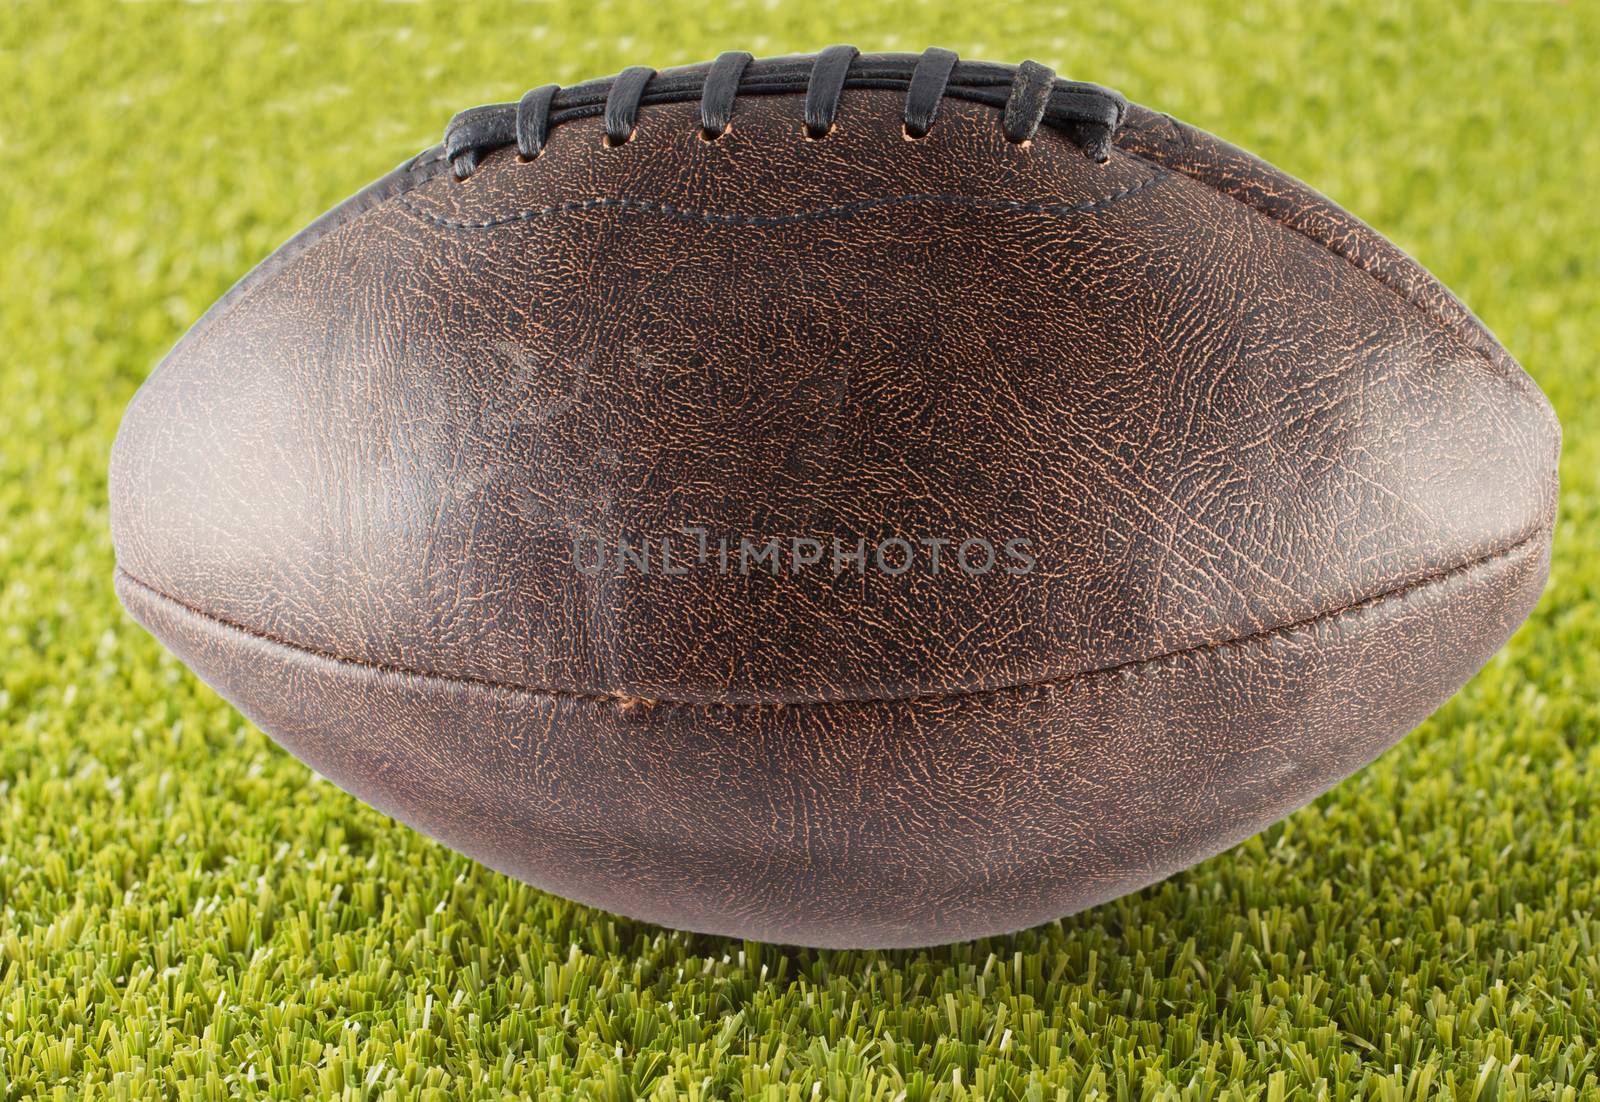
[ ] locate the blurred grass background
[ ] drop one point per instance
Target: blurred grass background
(186, 912)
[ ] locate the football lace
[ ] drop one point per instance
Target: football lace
(1029, 95)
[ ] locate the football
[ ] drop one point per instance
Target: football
(848, 500)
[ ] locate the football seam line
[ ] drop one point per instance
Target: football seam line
(842, 210)
(1459, 329)
(434, 156)
(1127, 669)
(1454, 329)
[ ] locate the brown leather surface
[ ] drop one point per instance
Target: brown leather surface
(1208, 159)
(1214, 404)
(885, 824)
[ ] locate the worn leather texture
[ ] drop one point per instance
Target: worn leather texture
(1285, 495)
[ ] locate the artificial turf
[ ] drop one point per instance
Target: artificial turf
(185, 911)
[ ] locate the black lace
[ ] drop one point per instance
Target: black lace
(828, 74)
(1029, 96)
(926, 90)
(622, 103)
(722, 85)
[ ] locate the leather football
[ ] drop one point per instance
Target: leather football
(851, 500)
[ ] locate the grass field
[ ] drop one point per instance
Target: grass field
(185, 911)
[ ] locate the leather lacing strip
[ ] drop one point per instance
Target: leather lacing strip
(1029, 95)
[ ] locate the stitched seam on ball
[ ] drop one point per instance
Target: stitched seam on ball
(260, 275)
(843, 210)
(1454, 329)
(1129, 668)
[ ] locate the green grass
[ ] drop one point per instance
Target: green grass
(186, 912)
